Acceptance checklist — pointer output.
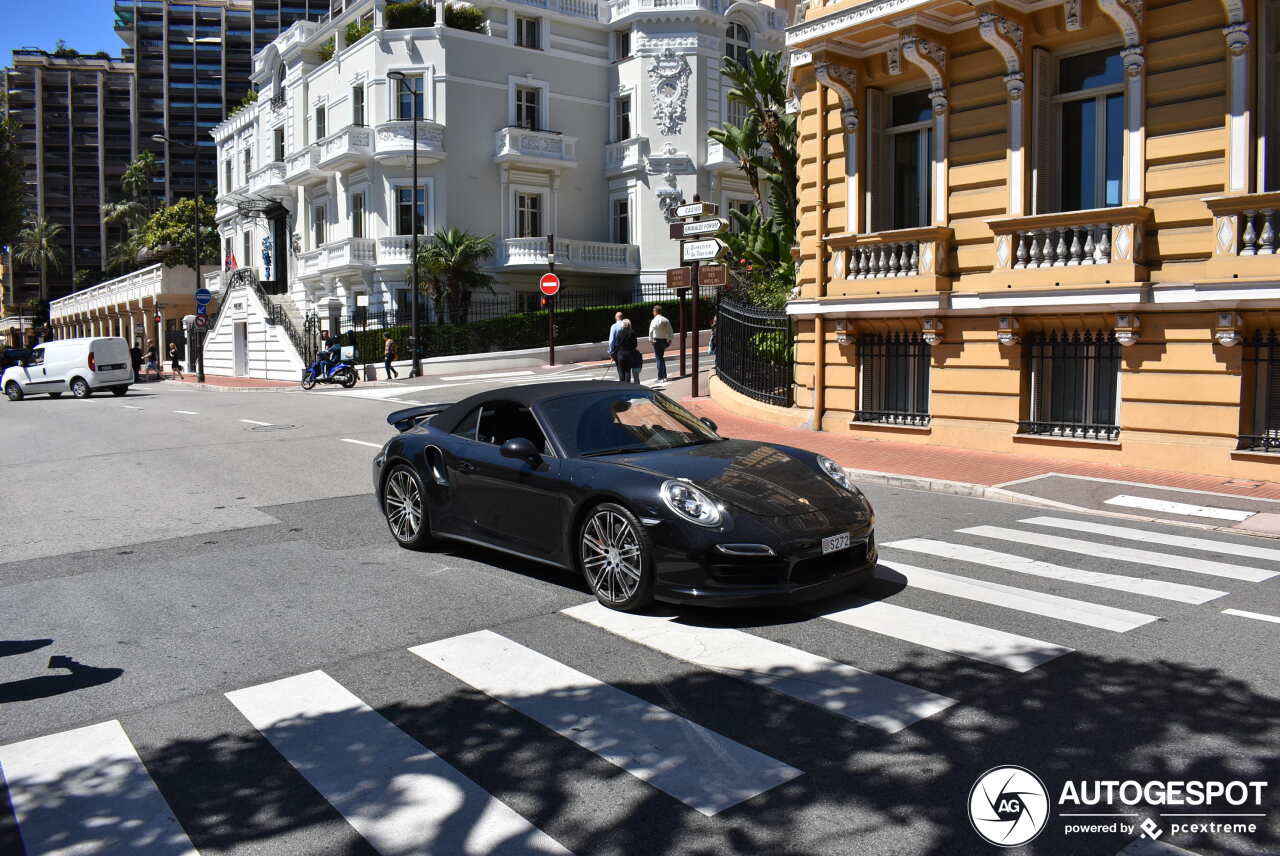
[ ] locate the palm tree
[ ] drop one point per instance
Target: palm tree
(448, 270)
(744, 142)
(132, 213)
(39, 245)
(760, 85)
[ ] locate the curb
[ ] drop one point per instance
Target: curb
(216, 388)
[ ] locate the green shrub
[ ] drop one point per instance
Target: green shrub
(326, 50)
(405, 16)
(357, 30)
(468, 18)
(249, 98)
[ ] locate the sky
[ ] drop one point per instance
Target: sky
(85, 25)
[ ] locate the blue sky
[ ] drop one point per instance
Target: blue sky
(85, 25)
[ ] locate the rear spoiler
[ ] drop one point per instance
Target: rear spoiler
(403, 420)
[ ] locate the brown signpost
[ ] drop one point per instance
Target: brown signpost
(680, 277)
(713, 275)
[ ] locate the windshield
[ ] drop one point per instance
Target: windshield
(595, 423)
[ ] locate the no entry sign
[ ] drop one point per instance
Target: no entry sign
(550, 284)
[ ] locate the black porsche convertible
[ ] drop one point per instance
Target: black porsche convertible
(622, 484)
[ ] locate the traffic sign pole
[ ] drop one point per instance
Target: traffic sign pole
(551, 302)
(697, 336)
(681, 292)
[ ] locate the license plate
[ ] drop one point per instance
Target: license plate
(833, 543)
(111, 367)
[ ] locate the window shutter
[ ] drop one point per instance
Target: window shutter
(877, 184)
(1042, 187)
(1271, 365)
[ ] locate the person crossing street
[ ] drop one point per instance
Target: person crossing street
(661, 334)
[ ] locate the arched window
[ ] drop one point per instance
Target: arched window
(737, 41)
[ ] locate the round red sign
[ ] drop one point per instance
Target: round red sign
(550, 284)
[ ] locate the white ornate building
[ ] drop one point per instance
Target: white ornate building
(575, 118)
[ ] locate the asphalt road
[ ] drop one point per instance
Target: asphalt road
(214, 568)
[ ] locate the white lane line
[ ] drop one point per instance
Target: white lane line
(485, 376)
(1127, 533)
(1011, 597)
(131, 407)
(835, 687)
(1123, 554)
(255, 422)
(399, 795)
(361, 442)
(1260, 616)
(87, 791)
(702, 769)
(1009, 650)
(1124, 500)
(1179, 592)
(188, 412)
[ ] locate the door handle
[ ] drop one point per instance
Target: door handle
(466, 467)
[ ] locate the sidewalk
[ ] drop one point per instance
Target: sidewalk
(222, 383)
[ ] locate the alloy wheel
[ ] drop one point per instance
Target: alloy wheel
(611, 556)
(403, 505)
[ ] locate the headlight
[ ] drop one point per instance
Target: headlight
(690, 503)
(837, 474)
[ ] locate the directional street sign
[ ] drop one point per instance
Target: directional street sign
(680, 277)
(714, 226)
(701, 251)
(202, 309)
(202, 321)
(550, 284)
(696, 209)
(203, 296)
(716, 275)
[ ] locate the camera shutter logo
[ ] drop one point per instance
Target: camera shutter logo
(1008, 806)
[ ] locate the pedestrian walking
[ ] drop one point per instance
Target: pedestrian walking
(613, 338)
(175, 362)
(629, 359)
(711, 346)
(153, 360)
(661, 334)
(135, 358)
(388, 356)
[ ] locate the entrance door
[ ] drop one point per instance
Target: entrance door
(240, 349)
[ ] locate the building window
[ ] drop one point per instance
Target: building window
(229, 174)
(737, 41)
(1090, 116)
(744, 207)
(529, 32)
(1261, 425)
(893, 381)
(357, 215)
(528, 103)
(357, 105)
(248, 163)
(1074, 379)
(318, 225)
(246, 243)
(320, 124)
(279, 144)
(405, 210)
(409, 98)
(622, 118)
(621, 45)
(621, 220)
(229, 254)
(404, 304)
(528, 215)
(735, 112)
(908, 156)
(1269, 85)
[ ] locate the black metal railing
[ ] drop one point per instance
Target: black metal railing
(1261, 394)
(1074, 380)
(894, 380)
(754, 352)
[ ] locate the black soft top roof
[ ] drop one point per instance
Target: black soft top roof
(528, 395)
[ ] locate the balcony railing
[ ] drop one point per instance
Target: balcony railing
(344, 253)
(522, 144)
(917, 257)
(1245, 234)
(303, 165)
(268, 178)
(588, 9)
(625, 155)
(881, 260)
(396, 249)
(394, 140)
(352, 146)
(1072, 247)
(585, 255)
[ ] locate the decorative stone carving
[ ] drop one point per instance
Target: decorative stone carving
(1071, 9)
(893, 60)
(843, 81)
(1133, 59)
(669, 162)
(1237, 36)
(1127, 15)
(1006, 37)
(938, 98)
(669, 74)
(931, 57)
(1014, 84)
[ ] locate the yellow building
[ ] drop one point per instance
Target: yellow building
(1041, 227)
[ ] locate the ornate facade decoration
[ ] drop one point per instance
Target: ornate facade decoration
(656, 45)
(1127, 15)
(1134, 59)
(1237, 36)
(669, 74)
(1074, 18)
(1015, 84)
(844, 82)
(931, 57)
(1006, 37)
(893, 60)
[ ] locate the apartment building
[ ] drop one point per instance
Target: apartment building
(582, 119)
(1046, 228)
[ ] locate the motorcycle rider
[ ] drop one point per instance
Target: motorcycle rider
(330, 353)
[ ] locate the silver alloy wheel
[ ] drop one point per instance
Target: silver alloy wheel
(403, 505)
(611, 556)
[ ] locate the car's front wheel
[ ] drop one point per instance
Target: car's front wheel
(404, 505)
(616, 557)
(80, 389)
(14, 391)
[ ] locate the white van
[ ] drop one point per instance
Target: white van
(79, 366)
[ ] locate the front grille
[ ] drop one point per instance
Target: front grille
(747, 571)
(821, 568)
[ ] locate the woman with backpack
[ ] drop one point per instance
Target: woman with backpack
(628, 354)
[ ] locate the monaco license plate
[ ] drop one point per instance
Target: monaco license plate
(833, 543)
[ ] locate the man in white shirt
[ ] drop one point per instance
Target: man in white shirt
(660, 333)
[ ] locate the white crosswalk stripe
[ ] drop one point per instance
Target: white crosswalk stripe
(1005, 561)
(1010, 597)
(700, 768)
(835, 687)
(1225, 548)
(1123, 554)
(1008, 650)
(87, 791)
(419, 804)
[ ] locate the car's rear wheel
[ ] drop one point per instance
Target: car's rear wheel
(80, 389)
(119, 390)
(14, 391)
(616, 557)
(404, 506)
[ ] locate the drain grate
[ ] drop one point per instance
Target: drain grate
(273, 427)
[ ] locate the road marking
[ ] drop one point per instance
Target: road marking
(702, 769)
(255, 422)
(131, 407)
(362, 442)
(1247, 551)
(835, 687)
(485, 376)
(1260, 616)
(1146, 485)
(1133, 585)
(1126, 501)
(187, 412)
(1009, 650)
(87, 791)
(399, 795)
(1011, 597)
(1123, 554)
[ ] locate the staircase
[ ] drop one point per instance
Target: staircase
(281, 311)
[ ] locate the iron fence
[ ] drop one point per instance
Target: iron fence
(1262, 394)
(1074, 382)
(753, 351)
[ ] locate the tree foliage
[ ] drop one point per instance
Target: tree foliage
(14, 198)
(169, 234)
(449, 270)
(131, 213)
(40, 246)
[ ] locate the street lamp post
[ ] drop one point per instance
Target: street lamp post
(416, 370)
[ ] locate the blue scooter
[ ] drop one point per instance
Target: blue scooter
(340, 372)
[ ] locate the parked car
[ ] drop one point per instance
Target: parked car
(79, 366)
(628, 488)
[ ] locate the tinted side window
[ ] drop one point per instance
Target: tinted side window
(505, 421)
(36, 358)
(467, 427)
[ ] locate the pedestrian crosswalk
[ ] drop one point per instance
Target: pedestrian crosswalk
(88, 790)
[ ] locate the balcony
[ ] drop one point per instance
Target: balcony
(595, 256)
(397, 249)
(346, 255)
(303, 166)
(901, 261)
(720, 159)
(586, 9)
(394, 142)
(1094, 247)
(1245, 242)
(350, 148)
(535, 148)
(625, 156)
(269, 180)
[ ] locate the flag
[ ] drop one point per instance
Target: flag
(230, 262)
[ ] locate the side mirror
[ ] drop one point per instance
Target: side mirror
(709, 423)
(521, 449)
